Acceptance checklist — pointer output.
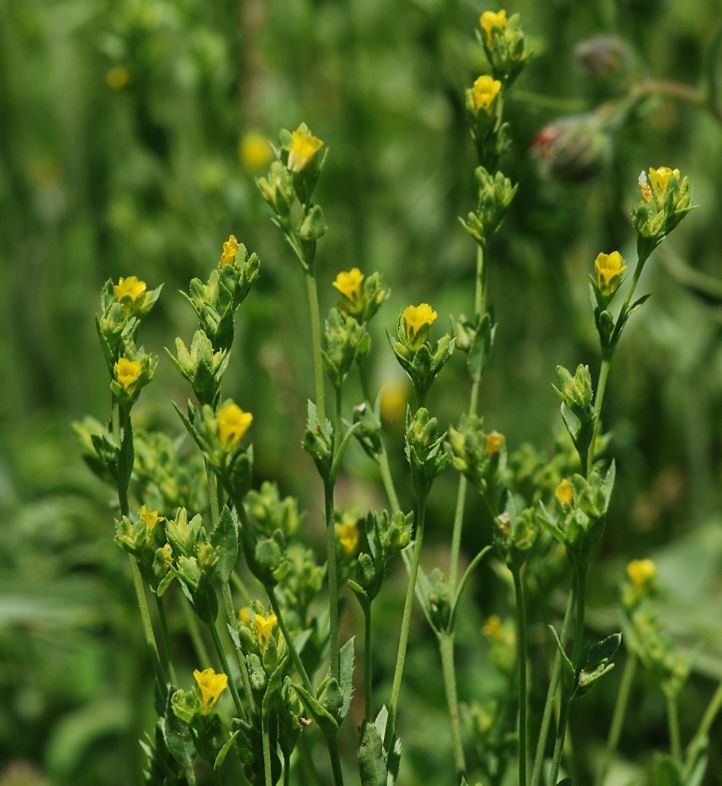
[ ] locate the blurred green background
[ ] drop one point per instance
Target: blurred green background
(127, 147)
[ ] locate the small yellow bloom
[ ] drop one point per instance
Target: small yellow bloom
(564, 492)
(151, 518)
(494, 441)
(117, 77)
(167, 554)
(254, 151)
(347, 535)
(264, 625)
(660, 177)
(233, 423)
(127, 371)
(211, 686)
(641, 570)
(644, 186)
(349, 284)
(244, 614)
(394, 399)
(493, 628)
(304, 147)
(416, 318)
(489, 19)
(607, 266)
(485, 91)
(230, 249)
(129, 287)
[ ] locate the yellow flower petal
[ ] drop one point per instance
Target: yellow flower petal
(349, 284)
(660, 177)
(485, 91)
(233, 423)
(129, 287)
(151, 518)
(230, 249)
(211, 686)
(641, 570)
(493, 442)
(254, 151)
(493, 628)
(416, 317)
(127, 372)
(607, 266)
(264, 625)
(304, 147)
(490, 19)
(564, 492)
(348, 536)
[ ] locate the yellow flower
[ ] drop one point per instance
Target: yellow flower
(644, 186)
(493, 628)
(660, 177)
(151, 518)
(304, 147)
(485, 91)
(230, 249)
(244, 613)
(607, 266)
(129, 287)
(233, 423)
(641, 570)
(211, 686)
(489, 19)
(117, 77)
(564, 492)
(347, 535)
(127, 371)
(494, 441)
(394, 399)
(418, 320)
(349, 284)
(167, 554)
(254, 151)
(264, 625)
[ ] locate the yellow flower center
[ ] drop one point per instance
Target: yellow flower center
(233, 423)
(416, 318)
(491, 19)
(151, 518)
(607, 266)
(660, 177)
(211, 686)
(127, 372)
(493, 628)
(564, 492)
(349, 284)
(254, 151)
(348, 537)
(304, 147)
(485, 91)
(641, 570)
(230, 249)
(493, 442)
(129, 287)
(264, 625)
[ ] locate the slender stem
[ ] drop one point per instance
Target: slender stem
(701, 734)
(368, 664)
(388, 481)
(312, 293)
(147, 624)
(167, 651)
(551, 695)
(267, 776)
(334, 646)
(240, 661)
(204, 659)
(405, 625)
(446, 648)
(227, 670)
(213, 496)
(295, 657)
(332, 741)
(675, 743)
(337, 419)
(480, 285)
(620, 710)
(598, 399)
(559, 744)
(286, 770)
(521, 663)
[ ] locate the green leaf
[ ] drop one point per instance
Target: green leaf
(223, 752)
(666, 772)
(346, 677)
(597, 662)
(326, 722)
(565, 658)
(371, 758)
(225, 538)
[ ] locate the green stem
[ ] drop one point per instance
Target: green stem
(286, 770)
(227, 670)
(295, 657)
(204, 659)
(332, 741)
(267, 776)
(240, 661)
(388, 481)
(147, 624)
(337, 420)
(559, 744)
(480, 285)
(675, 743)
(312, 293)
(167, 651)
(551, 695)
(405, 625)
(334, 646)
(446, 648)
(368, 664)
(701, 734)
(521, 662)
(620, 710)
(598, 399)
